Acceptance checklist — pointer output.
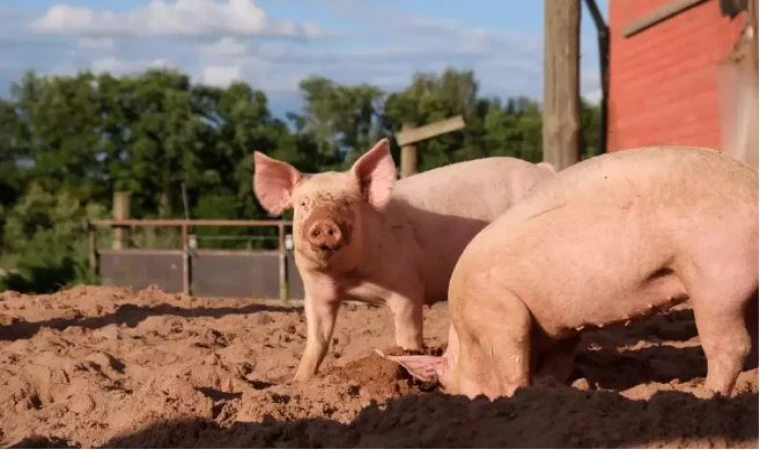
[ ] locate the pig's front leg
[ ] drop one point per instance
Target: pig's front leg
(407, 320)
(321, 312)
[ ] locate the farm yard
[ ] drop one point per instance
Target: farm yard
(147, 222)
(97, 366)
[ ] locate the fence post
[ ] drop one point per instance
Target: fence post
(92, 243)
(185, 260)
(284, 294)
(561, 118)
(121, 206)
(408, 155)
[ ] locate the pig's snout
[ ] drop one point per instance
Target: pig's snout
(325, 235)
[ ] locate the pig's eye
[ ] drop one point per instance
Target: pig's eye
(303, 203)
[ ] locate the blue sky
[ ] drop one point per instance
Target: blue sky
(273, 44)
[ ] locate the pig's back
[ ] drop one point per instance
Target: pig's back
(479, 189)
(588, 238)
(647, 177)
(446, 207)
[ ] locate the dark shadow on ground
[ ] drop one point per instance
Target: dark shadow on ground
(44, 442)
(541, 417)
(130, 315)
(672, 325)
(620, 370)
(600, 361)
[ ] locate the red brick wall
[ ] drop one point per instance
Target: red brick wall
(663, 80)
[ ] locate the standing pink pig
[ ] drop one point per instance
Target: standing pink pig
(361, 235)
(606, 240)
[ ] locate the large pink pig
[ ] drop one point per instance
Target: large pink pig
(361, 235)
(611, 238)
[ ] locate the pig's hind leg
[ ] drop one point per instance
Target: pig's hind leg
(720, 302)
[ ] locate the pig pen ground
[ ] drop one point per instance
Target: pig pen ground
(94, 366)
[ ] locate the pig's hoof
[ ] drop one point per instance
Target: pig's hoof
(704, 393)
(302, 378)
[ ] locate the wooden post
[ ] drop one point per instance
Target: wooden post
(92, 242)
(408, 155)
(185, 260)
(561, 109)
(283, 263)
(121, 207)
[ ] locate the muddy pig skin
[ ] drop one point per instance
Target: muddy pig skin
(606, 240)
(362, 235)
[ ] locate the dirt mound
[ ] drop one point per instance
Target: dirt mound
(111, 367)
(378, 377)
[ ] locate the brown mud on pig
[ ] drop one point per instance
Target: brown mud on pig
(606, 240)
(361, 235)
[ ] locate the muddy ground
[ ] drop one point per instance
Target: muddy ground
(95, 366)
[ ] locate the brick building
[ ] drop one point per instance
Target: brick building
(663, 70)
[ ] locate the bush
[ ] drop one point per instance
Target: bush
(46, 242)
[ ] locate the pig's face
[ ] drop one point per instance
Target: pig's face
(328, 207)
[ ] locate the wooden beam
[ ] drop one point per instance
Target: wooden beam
(409, 159)
(411, 135)
(561, 110)
(660, 14)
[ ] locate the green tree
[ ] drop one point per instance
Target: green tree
(590, 118)
(343, 120)
(514, 129)
(45, 240)
(57, 123)
(434, 97)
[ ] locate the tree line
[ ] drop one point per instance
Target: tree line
(68, 142)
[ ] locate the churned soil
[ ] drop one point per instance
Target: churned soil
(112, 367)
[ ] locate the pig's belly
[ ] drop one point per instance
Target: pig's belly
(565, 315)
(600, 279)
(371, 292)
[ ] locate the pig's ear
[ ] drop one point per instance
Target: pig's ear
(547, 166)
(425, 368)
(273, 183)
(376, 173)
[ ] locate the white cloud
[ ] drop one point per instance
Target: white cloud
(221, 76)
(117, 66)
(224, 47)
(173, 18)
(594, 96)
(387, 45)
(104, 43)
(427, 25)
